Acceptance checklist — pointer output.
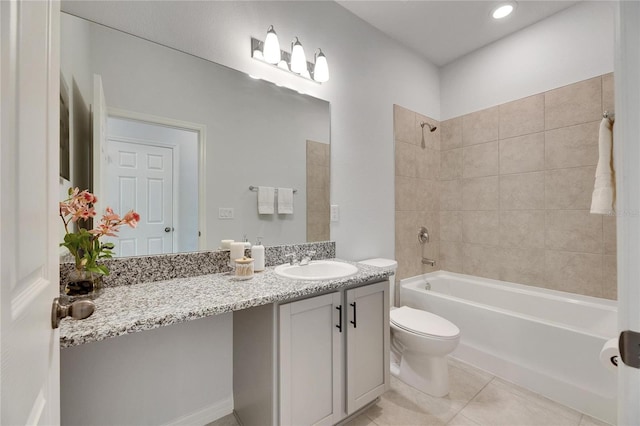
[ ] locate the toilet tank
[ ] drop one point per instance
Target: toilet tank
(386, 264)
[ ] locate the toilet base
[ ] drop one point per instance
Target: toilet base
(425, 373)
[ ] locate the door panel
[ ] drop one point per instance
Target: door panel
(367, 344)
(29, 167)
(140, 177)
(310, 361)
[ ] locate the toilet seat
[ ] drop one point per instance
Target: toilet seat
(423, 323)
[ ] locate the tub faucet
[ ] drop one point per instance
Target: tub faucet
(426, 261)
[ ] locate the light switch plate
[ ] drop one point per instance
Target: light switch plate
(225, 213)
(335, 213)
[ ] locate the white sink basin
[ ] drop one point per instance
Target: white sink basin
(317, 270)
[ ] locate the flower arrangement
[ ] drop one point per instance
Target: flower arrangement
(85, 246)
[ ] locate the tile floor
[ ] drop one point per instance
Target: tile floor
(476, 399)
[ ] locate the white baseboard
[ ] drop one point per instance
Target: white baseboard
(205, 415)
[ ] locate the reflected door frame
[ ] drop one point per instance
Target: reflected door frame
(201, 131)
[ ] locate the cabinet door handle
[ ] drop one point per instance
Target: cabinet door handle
(339, 326)
(354, 314)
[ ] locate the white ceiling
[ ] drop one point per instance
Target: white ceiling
(443, 31)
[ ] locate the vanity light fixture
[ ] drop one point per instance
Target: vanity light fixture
(271, 51)
(298, 59)
(320, 68)
(294, 62)
(503, 10)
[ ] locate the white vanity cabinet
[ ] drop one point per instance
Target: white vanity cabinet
(312, 361)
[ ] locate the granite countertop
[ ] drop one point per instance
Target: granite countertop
(132, 308)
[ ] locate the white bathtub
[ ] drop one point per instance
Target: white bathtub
(544, 340)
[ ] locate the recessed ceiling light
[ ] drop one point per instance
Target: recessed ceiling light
(503, 10)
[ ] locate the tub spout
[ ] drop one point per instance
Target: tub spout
(426, 261)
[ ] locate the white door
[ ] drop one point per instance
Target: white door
(627, 161)
(367, 344)
(29, 168)
(140, 177)
(311, 351)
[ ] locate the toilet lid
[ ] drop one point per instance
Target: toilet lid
(423, 323)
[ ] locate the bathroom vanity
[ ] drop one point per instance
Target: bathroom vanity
(304, 352)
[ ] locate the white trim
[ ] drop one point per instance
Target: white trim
(201, 130)
(627, 159)
(205, 415)
(21, 303)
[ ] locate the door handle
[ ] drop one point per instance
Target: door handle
(168, 229)
(339, 326)
(80, 309)
(354, 322)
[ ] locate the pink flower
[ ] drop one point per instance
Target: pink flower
(131, 218)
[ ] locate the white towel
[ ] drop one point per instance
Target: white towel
(266, 199)
(602, 200)
(285, 201)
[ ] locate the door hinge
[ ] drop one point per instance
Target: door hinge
(629, 346)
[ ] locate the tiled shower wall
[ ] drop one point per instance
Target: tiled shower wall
(417, 200)
(318, 161)
(515, 192)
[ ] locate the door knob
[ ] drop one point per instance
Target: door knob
(167, 229)
(80, 309)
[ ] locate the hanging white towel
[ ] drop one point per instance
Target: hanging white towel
(285, 201)
(266, 199)
(602, 200)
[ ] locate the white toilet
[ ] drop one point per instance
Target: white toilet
(420, 342)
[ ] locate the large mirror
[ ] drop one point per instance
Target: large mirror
(181, 140)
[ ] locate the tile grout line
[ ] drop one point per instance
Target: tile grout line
(471, 399)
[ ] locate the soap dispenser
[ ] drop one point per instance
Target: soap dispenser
(257, 253)
(247, 243)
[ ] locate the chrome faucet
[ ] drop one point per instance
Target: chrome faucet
(426, 261)
(292, 258)
(307, 259)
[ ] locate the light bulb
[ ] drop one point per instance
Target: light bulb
(271, 50)
(283, 64)
(257, 54)
(298, 59)
(305, 74)
(502, 11)
(321, 68)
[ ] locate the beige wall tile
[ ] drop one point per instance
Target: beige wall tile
(428, 195)
(522, 228)
(451, 164)
(523, 266)
(572, 146)
(406, 193)
(317, 176)
(608, 98)
(522, 117)
(406, 244)
(404, 122)
(318, 153)
(406, 159)
(609, 234)
(574, 272)
(318, 200)
(425, 137)
(481, 261)
(451, 256)
(318, 227)
(481, 227)
(573, 230)
(480, 160)
(573, 104)
(451, 226)
(451, 134)
(430, 250)
(480, 126)
(522, 154)
(480, 193)
(610, 277)
(569, 188)
(451, 195)
(428, 163)
(522, 191)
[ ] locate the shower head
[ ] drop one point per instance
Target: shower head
(431, 128)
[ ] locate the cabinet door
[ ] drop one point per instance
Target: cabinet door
(367, 344)
(311, 361)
